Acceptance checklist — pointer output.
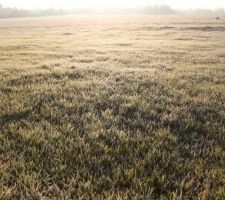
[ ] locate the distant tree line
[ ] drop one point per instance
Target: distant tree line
(150, 10)
(159, 10)
(16, 13)
(217, 12)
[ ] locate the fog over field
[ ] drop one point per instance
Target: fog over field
(24, 8)
(67, 4)
(112, 107)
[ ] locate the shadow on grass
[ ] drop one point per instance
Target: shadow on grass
(14, 117)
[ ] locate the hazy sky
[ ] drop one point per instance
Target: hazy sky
(180, 4)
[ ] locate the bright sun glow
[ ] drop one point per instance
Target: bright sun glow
(65, 4)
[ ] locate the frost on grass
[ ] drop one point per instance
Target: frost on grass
(112, 111)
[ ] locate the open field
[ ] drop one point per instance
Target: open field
(112, 108)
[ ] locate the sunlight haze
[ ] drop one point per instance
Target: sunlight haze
(66, 4)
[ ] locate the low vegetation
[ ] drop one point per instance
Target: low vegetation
(112, 108)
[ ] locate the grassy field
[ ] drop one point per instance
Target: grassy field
(112, 108)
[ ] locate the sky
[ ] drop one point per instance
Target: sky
(65, 4)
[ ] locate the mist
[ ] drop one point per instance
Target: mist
(24, 8)
(100, 4)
